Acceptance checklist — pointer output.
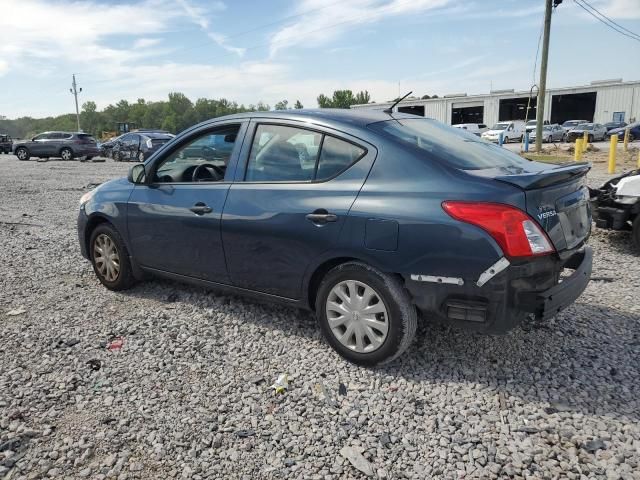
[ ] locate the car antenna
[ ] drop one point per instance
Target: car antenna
(390, 109)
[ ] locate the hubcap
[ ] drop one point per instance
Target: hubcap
(357, 316)
(65, 155)
(21, 154)
(106, 257)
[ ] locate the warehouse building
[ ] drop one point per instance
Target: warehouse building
(601, 101)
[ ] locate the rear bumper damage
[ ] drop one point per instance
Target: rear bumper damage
(506, 293)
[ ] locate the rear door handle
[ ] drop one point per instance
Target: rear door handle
(201, 208)
(321, 217)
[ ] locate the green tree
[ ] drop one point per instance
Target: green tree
(343, 99)
(298, 105)
(89, 117)
(283, 105)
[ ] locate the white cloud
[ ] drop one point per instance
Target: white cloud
(197, 16)
(620, 9)
(325, 22)
(145, 43)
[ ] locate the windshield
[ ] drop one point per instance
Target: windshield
(531, 123)
(571, 123)
(585, 126)
(451, 146)
(500, 126)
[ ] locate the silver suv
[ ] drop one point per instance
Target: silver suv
(65, 145)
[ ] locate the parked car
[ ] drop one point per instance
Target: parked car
(634, 131)
(550, 133)
(475, 128)
(136, 146)
(569, 124)
(594, 131)
(106, 148)
(381, 216)
(6, 143)
(510, 130)
(531, 124)
(65, 145)
(614, 125)
(616, 205)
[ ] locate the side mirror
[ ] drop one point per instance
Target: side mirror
(137, 174)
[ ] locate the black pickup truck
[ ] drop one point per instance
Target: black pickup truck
(6, 144)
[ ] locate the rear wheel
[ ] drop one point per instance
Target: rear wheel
(66, 154)
(110, 258)
(365, 315)
(590, 138)
(22, 153)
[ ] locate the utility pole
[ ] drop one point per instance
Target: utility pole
(543, 73)
(75, 91)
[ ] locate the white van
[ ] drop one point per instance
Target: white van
(475, 128)
(510, 129)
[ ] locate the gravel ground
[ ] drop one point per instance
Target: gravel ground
(187, 395)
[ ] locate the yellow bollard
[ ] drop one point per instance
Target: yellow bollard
(612, 153)
(578, 150)
(585, 141)
(626, 140)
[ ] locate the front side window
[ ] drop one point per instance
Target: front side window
(203, 159)
(289, 154)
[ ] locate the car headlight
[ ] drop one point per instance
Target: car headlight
(86, 197)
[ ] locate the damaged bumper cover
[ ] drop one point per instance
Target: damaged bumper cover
(519, 289)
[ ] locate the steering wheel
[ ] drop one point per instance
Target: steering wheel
(205, 172)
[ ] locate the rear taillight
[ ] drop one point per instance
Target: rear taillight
(516, 232)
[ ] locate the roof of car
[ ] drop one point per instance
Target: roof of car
(359, 117)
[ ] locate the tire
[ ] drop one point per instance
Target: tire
(23, 154)
(114, 277)
(635, 233)
(631, 138)
(590, 138)
(66, 154)
(88, 158)
(395, 312)
(115, 156)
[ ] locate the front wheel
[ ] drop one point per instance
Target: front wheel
(22, 154)
(115, 156)
(110, 258)
(590, 138)
(66, 154)
(365, 315)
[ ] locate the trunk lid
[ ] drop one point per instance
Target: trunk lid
(558, 199)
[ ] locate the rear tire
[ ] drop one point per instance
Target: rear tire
(22, 153)
(345, 296)
(110, 258)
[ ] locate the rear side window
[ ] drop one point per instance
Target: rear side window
(336, 156)
(289, 154)
(450, 146)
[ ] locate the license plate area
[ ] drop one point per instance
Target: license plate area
(574, 213)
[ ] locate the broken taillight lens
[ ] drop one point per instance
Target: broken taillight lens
(514, 230)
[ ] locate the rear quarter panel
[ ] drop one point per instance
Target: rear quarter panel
(409, 190)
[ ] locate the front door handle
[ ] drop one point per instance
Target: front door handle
(201, 208)
(321, 217)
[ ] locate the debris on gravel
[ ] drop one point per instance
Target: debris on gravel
(187, 395)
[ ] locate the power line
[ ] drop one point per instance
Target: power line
(613, 27)
(591, 7)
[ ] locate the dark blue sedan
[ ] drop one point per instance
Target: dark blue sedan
(365, 217)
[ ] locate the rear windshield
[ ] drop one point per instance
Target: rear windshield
(451, 146)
